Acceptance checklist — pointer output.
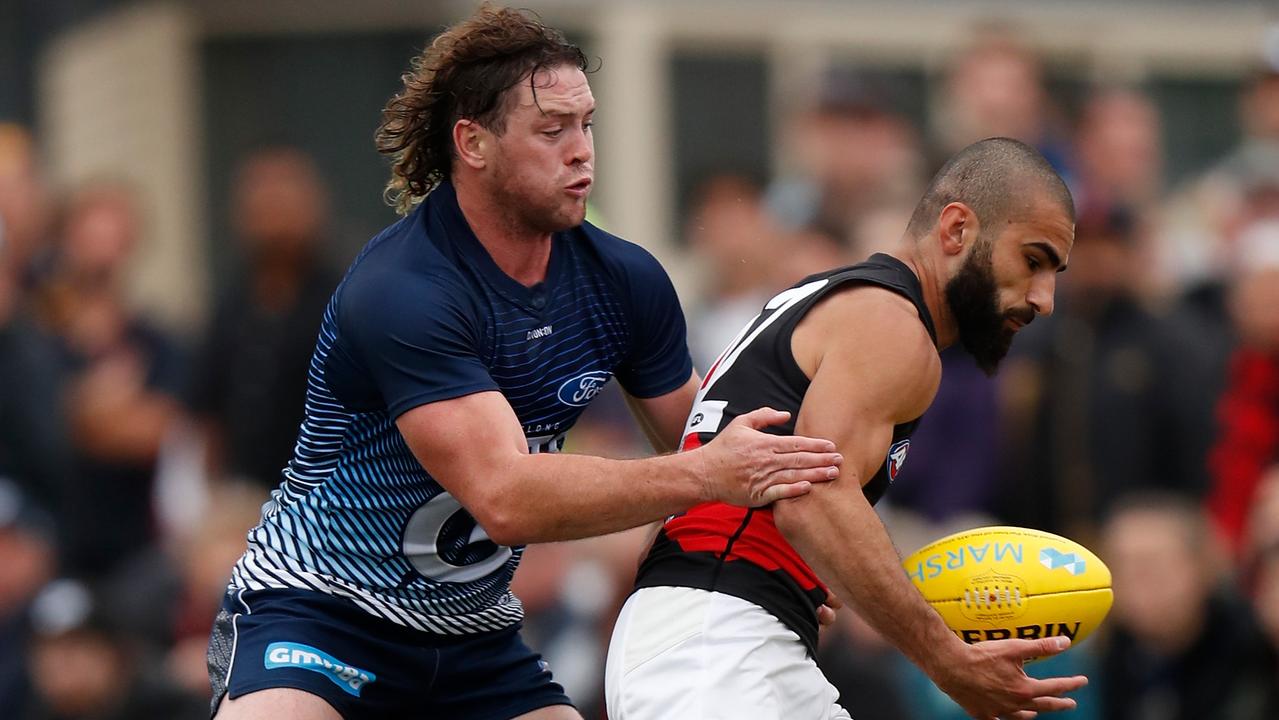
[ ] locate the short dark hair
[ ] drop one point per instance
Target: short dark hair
(985, 176)
(464, 73)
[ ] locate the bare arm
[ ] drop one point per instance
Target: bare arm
(859, 391)
(474, 446)
(663, 418)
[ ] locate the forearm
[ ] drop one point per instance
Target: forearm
(840, 536)
(552, 497)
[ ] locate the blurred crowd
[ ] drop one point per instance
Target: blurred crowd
(1141, 419)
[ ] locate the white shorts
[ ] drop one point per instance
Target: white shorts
(685, 654)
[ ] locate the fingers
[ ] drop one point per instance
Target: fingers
(781, 491)
(801, 444)
(825, 615)
(1054, 704)
(824, 460)
(1057, 686)
(833, 601)
(1030, 649)
(761, 418)
(1049, 646)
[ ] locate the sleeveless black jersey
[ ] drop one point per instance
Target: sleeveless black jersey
(739, 551)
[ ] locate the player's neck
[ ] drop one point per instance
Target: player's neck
(520, 252)
(932, 282)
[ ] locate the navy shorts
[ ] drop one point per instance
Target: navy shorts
(367, 667)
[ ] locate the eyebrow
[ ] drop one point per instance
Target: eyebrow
(567, 113)
(1051, 252)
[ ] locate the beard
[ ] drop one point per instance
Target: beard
(538, 211)
(974, 301)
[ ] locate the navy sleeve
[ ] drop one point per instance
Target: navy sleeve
(417, 336)
(658, 361)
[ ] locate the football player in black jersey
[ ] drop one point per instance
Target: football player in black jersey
(724, 617)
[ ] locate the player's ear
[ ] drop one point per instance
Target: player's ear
(472, 143)
(957, 228)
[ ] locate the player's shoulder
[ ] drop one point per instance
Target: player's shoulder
(878, 333)
(623, 259)
(400, 268)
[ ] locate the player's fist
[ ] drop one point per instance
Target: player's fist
(746, 467)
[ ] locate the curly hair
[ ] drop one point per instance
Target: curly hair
(464, 73)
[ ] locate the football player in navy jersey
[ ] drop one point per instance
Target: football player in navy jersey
(461, 346)
(723, 623)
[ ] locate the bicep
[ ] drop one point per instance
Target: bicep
(464, 441)
(857, 395)
(663, 417)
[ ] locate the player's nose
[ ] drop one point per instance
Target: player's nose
(582, 149)
(1042, 289)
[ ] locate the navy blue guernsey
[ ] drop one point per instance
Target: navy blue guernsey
(424, 314)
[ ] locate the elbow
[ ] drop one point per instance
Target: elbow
(503, 522)
(823, 504)
(792, 514)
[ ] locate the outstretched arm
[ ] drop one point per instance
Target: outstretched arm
(859, 391)
(474, 446)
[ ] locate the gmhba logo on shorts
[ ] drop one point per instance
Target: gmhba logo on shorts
(581, 389)
(305, 657)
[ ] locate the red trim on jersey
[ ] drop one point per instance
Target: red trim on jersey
(708, 527)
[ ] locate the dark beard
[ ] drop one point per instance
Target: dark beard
(974, 301)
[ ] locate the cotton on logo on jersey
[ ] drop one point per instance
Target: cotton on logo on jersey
(581, 389)
(897, 458)
(297, 655)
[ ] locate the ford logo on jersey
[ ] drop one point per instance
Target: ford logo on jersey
(581, 389)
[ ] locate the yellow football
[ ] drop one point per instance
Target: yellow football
(1000, 582)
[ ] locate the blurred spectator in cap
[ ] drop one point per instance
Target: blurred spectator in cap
(27, 561)
(83, 668)
(995, 88)
(1247, 438)
(250, 382)
(124, 376)
(1181, 644)
(1103, 397)
(849, 154)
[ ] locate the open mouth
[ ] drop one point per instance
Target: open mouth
(579, 188)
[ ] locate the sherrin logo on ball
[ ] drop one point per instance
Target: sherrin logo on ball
(1001, 582)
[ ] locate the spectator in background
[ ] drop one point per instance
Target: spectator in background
(1202, 220)
(202, 558)
(995, 87)
(851, 154)
(1118, 152)
(252, 372)
(1247, 438)
(34, 440)
(730, 228)
(84, 668)
(1266, 602)
(1104, 397)
(124, 376)
(1181, 645)
(26, 207)
(27, 562)
(1119, 164)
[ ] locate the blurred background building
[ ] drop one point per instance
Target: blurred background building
(182, 182)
